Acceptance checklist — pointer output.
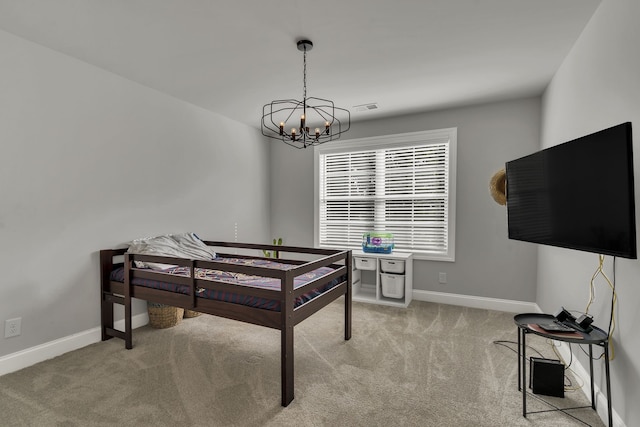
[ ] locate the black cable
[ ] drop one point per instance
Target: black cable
(504, 342)
(567, 382)
(587, 354)
(613, 294)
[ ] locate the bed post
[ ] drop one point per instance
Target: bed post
(286, 338)
(128, 342)
(106, 307)
(348, 298)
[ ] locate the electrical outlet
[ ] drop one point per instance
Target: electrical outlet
(443, 278)
(12, 327)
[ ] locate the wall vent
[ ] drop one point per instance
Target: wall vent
(366, 107)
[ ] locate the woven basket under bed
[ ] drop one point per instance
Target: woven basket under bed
(163, 316)
(190, 313)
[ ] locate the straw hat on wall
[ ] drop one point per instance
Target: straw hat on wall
(498, 187)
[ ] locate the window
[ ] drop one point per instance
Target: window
(402, 184)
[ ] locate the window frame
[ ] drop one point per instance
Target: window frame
(438, 136)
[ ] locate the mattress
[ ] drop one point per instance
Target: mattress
(239, 279)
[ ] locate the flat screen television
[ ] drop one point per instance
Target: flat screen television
(576, 195)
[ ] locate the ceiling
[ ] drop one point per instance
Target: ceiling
(234, 56)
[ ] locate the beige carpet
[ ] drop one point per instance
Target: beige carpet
(428, 365)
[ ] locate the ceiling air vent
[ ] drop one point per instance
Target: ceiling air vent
(366, 107)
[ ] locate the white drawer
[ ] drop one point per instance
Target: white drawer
(391, 266)
(365, 263)
(392, 285)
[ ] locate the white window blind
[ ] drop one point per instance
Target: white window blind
(398, 186)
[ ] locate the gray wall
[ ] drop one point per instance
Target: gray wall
(90, 161)
(597, 86)
(487, 263)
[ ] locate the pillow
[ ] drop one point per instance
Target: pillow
(186, 245)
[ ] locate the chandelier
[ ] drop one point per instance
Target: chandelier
(305, 123)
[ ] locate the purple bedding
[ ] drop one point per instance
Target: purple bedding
(238, 279)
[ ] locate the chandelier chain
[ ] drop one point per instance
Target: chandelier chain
(304, 78)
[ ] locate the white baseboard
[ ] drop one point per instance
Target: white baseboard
(136, 321)
(22, 359)
(583, 376)
(477, 302)
(15, 361)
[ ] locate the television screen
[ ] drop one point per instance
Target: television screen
(577, 195)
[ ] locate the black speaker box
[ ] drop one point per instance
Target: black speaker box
(546, 376)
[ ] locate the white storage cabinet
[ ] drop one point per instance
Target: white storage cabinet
(383, 278)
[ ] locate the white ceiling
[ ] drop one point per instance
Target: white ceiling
(234, 56)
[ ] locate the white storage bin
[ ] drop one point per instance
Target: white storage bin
(392, 285)
(391, 266)
(365, 263)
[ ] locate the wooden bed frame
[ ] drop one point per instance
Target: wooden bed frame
(113, 292)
